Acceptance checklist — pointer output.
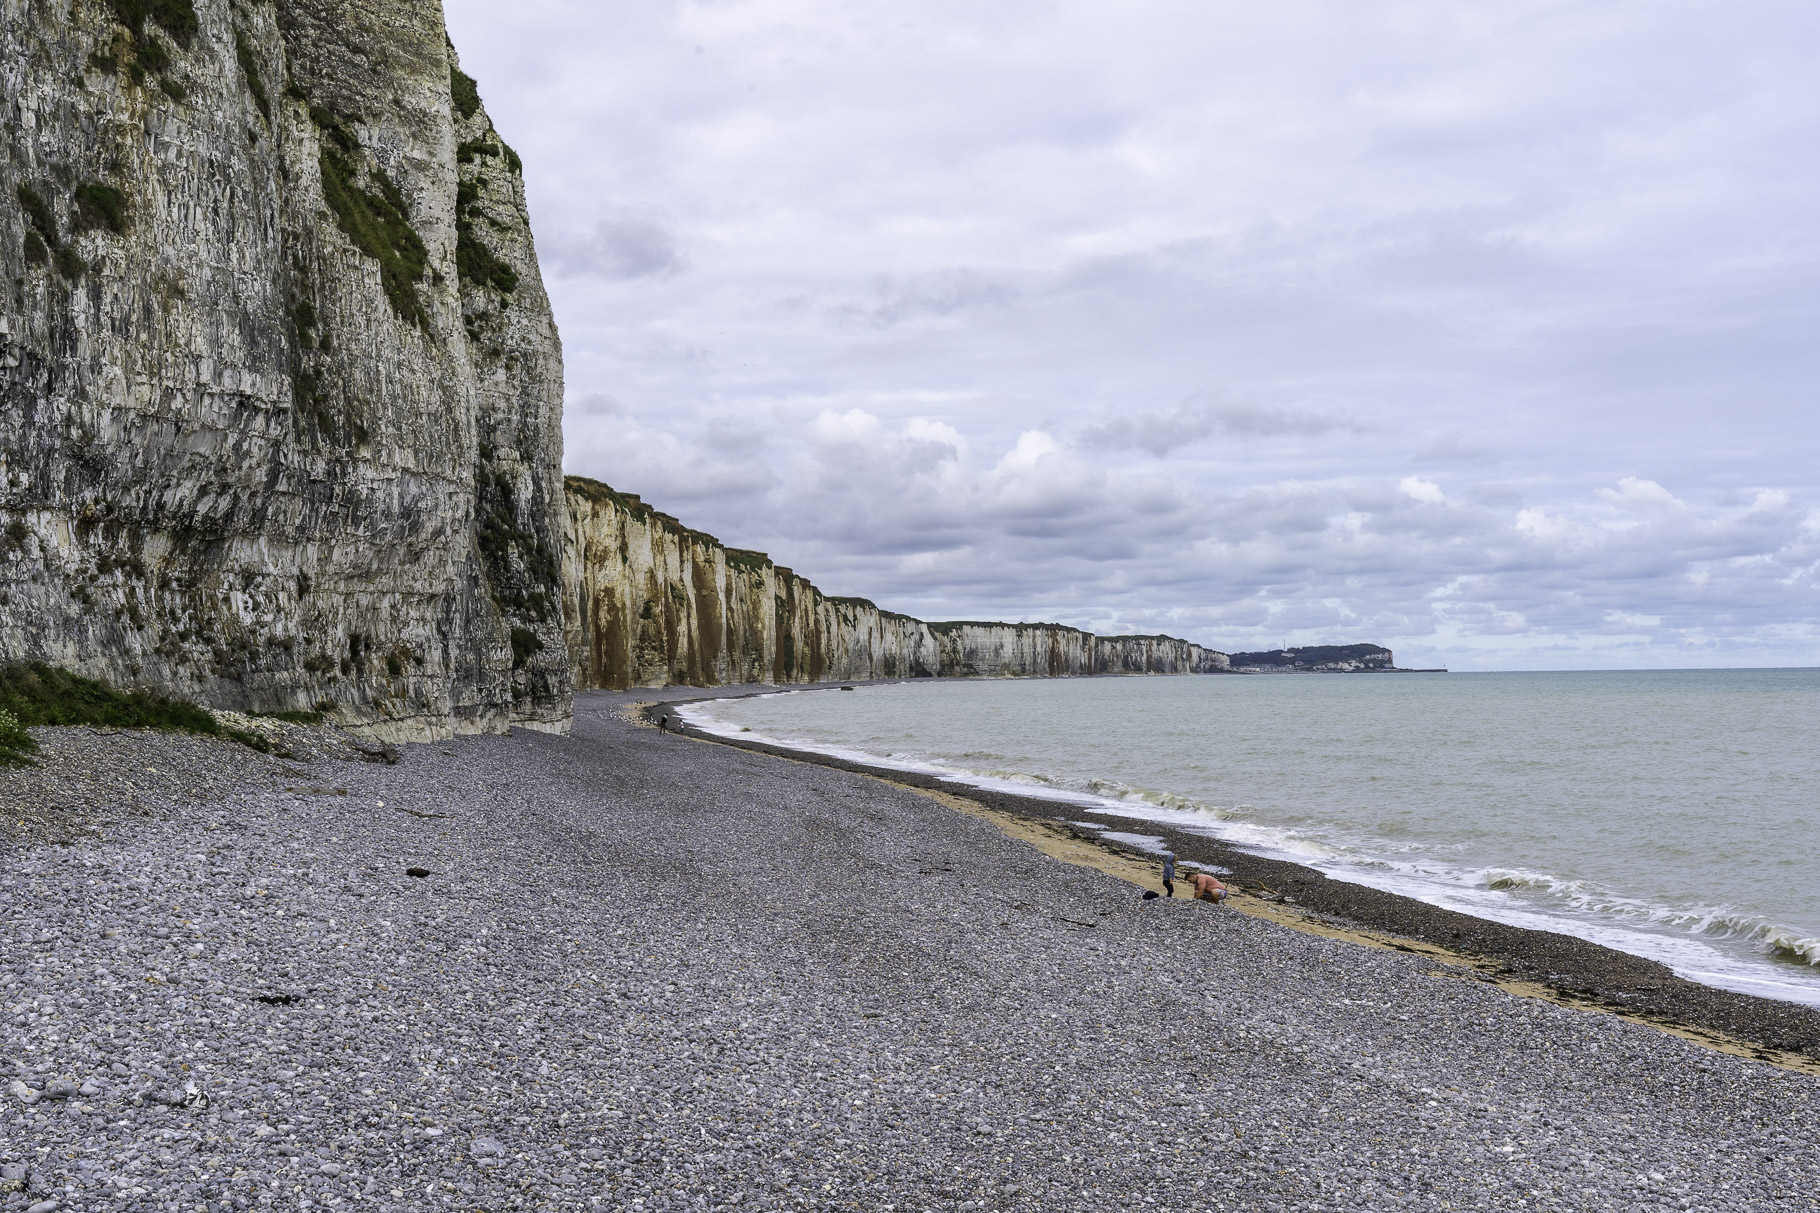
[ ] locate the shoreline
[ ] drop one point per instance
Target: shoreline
(1560, 968)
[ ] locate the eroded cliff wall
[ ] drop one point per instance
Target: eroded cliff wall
(650, 602)
(1037, 650)
(1155, 655)
(279, 387)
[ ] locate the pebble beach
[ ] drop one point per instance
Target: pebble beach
(626, 969)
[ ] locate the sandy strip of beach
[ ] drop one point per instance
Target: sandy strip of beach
(648, 971)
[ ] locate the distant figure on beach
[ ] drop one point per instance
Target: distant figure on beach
(1169, 872)
(1209, 888)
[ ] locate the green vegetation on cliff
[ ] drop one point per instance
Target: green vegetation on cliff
(746, 560)
(463, 92)
(850, 603)
(138, 51)
(604, 494)
(16, 745)
(249, 67)
(948, 627)
(42, 244)
(175, 17)
(100, 206)
(475, 263)
(377, 223)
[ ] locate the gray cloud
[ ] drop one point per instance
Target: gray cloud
(593, 404)
(926, 296)
(1198, 418)
(622, 245)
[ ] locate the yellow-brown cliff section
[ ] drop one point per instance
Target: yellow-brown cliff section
(651, 602)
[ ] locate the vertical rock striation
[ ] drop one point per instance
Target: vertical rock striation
(987, 650)
(279, 388)
(650, 602)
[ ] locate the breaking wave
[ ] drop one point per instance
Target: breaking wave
(1772, 940)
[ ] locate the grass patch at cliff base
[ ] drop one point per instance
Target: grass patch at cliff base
(16, 745)
(34, 694)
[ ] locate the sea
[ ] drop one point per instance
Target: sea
(1672, 814)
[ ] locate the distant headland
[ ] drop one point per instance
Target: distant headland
(1323, 659)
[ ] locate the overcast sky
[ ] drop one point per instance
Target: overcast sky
(1490, 332)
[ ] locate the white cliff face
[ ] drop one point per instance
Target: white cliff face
(272, 435)
(997, 650)
(988, 650)
(1155, 655)
(650, 602)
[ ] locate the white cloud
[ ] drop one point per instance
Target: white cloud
(1634, 495)
(1032, 447)
(852, 426)
(1418, 489)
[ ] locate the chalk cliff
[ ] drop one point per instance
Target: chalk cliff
(1051, 649)
(651, 602)
(279, 387)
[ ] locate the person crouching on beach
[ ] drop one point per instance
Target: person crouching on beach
(1209, 888)
(1169, 873)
